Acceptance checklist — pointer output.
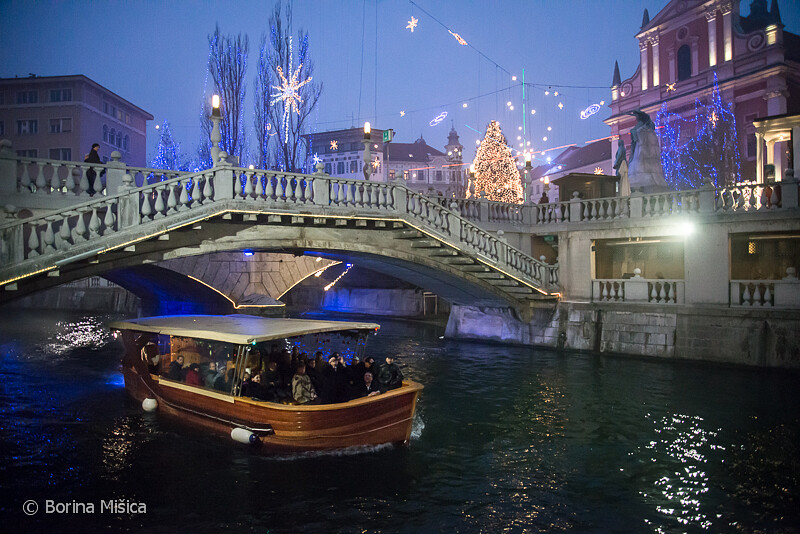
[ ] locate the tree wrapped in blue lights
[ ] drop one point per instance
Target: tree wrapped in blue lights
(227, 65)
(168, 151)
(285, 96)
(703, 151)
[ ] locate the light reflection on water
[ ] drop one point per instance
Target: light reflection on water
(506, 439)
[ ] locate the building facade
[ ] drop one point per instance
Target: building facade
(688, 45)
(60, 117)
(425, 169)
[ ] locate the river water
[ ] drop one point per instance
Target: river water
(507, 439)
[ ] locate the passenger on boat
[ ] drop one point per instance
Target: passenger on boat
(210, 375)
(370, 387)
(358, 370)
(314, 374)
(320, 359)
(335, 384)
(225, 382)
(219, 378)
(389, 375)
(193, 377)
(176, 369)
(253, 388)
(302, 389)
(271, 380)
(151, 357)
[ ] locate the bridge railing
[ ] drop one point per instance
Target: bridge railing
(79, 224)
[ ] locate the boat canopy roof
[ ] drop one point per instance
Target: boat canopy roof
(238, 329)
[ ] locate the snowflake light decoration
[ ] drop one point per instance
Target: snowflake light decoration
(317, 159)
(289, 92)
(334, 145)
(376, 163)
(670, 87)
(598, 170)
(412, 24)
(402, 113)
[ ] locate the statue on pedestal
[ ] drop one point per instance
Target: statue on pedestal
(621, 166)
(645, 172)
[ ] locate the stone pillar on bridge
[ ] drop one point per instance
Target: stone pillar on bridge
(223, 179)
(115, 173)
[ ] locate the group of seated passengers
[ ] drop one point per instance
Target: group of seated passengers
(336, 382)
(304, 383)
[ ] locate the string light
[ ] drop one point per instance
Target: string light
(412, 24)
(349, 266)
(460, 39)
(496, 175)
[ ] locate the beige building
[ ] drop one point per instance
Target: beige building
(425, 169)
(60, 117)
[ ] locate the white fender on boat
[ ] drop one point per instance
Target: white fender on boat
(149, 405)
(242, 435)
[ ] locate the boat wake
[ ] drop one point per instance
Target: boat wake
(349, 451)
(417, 426)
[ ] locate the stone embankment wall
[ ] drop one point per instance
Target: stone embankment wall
(101, 299)
(756, 337)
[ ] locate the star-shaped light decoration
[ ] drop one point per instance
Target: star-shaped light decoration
(289, 92)
(412, 24)
(670, 87)
(598, 170)
(402, 113)
(376, 163)
(713, 118)
(334, 145)
(560, 105)
(317, 159)
(460, 39)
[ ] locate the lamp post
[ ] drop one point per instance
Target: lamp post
(471, 181)
(528, 177)
(216, 136)
(367, 155)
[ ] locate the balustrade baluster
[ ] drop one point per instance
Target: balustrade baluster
(340, 197)
(207, 190)
(604, 291)
(110, 219)
(675, 208)
(49, 238)
(33, 242)
(79, 232)
(653, 292)
(25, 179)
(94, 224)
(184, 197)
(172, 200)
(362, 194)
(773, 199)
(146, 210)
(247, 192)
(55, 180)
(98, 183)
(309, 194)
(69, 185)
(767, 296)
(64, 234)
(605, 204)
(757, 295)
(196, 191)
(662, 292)
(269, 190)
(159, 207)
(40, 179)
(746, 295)
(280, 187)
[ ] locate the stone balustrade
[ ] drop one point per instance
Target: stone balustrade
(55, 233)
(765, 293)
(638, 290)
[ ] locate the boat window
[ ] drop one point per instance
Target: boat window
(350, 344)
(195, 362)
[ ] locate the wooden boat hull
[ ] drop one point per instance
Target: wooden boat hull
(385, 418)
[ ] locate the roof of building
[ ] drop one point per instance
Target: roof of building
(74, 77)
(418, 151)
(576, 157)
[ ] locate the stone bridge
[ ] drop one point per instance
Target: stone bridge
(129, 222)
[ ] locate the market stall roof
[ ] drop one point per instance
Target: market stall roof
(238, 329)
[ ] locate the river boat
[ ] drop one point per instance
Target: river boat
(238, 344)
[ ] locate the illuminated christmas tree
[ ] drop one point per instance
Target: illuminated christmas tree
(168, 151)
(703, 150)
(496, 174)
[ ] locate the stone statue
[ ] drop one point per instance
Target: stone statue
(645, 172)
(621, 166)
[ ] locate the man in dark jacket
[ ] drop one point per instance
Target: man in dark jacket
(369, 387)
(176, 369)
(389, 375)
(335, 386)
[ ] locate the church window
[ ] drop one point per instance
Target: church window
(684, 63)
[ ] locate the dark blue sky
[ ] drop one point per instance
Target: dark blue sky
(154, 54)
